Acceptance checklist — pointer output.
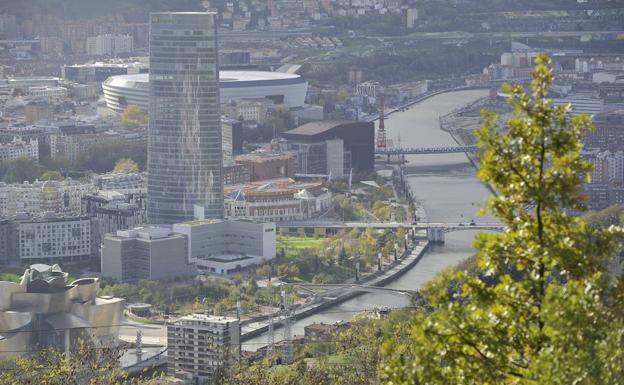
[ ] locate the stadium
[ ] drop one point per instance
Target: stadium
(282, 88)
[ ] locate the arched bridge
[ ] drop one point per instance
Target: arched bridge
(426, 150)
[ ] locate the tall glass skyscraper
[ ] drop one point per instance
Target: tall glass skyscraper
(184, 142)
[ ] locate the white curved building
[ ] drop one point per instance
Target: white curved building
(282, 88)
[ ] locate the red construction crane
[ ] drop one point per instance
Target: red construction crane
(381, 132)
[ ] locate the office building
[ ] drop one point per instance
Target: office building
(312, 142)
(184, 140)
(60, 313)
(225, 247)
(200, 345)
(166, 252)
(144, 253)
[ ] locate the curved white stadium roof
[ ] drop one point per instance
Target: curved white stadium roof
(289, 89)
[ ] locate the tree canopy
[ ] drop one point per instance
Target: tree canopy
(542, 310)
(133, 116)
(126, 166)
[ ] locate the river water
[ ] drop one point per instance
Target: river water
(445, 185)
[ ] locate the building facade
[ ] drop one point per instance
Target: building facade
(19, 149)
(61, 313)
(50, 239)
(310, 143)
(200, 345)
(109, 45)
(184, 141)
(262, 165)
(40, 197)
(278, 200)
(144, 253)
(225, 247)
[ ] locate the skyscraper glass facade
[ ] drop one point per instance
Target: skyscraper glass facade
(184, 145)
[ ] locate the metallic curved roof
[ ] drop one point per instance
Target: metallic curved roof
(226, 79)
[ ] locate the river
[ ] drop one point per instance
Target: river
(447, 188)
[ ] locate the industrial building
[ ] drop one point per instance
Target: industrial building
(281, 88)
(45, 311)
(336, 148)
(200, 345)
(185, 157)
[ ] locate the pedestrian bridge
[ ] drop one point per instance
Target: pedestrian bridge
(425, 150)
(435, 230)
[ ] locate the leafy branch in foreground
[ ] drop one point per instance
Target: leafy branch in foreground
(85, 365)
(543, 310)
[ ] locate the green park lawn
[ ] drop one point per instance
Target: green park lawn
(293, 245)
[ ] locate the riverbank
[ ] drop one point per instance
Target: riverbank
(254, 328)
(443, 185)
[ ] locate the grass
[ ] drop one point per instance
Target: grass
(143, 320)
(293, 245)
(10, 276)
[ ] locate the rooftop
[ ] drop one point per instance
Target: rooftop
(207, 318)
(315, 128)
(225, 77)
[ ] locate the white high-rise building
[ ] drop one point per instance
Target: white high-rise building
(109, 45)
(199, 345)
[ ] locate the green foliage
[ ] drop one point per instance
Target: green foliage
(133, 116)
(52, 175)
(542, 310)
(282, 119)
(20, 170)
(126, 166)
(85, 365)
(103, 156)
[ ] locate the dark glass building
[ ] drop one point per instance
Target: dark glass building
(184, 144)
(316, 143)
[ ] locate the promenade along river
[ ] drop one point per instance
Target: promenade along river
(446, 186)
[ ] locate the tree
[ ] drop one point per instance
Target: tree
(52, 175)
(133, 116)
(541, 310)
(126, 166)
(282, 119)
(21, 170)
(85, 365)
